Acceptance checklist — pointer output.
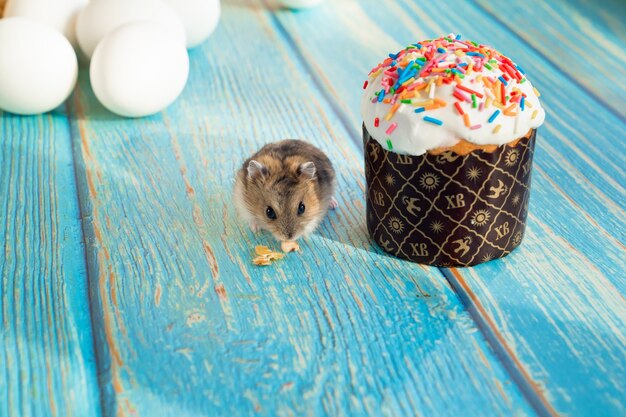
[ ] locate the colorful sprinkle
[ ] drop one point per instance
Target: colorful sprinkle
(365, 84)
(502, 80)
(391, 128)
(431, 93)
(493, 116)
(460, 96)
(433, 120)
(469, 90)
(458, 108)
(408, 82)
(420, 109)
(475, 127)
(457, 72)
(389, 144)
(509, 110)
(497, 128)
(376, 122)
(534, 114)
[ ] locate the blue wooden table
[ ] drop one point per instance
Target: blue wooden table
(126, 283)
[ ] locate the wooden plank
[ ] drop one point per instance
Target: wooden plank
(584, 40)
(187, 326)
(46, 351)
(554, 309)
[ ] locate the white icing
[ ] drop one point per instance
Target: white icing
(413, 135)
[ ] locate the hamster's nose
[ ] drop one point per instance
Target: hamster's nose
(290, 236)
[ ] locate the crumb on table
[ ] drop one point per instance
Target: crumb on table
(265, 256)
(289, 246)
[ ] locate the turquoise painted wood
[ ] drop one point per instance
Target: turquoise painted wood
(186, 325)
(46, 349)
(555, 310)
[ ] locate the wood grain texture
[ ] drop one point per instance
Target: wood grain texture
(187, 326)
(584, 40)
(557, 304)
(46, 353)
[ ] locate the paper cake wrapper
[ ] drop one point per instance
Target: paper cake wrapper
(448, 209)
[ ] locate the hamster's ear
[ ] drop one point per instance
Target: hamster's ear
(256, 170)
(307, 170)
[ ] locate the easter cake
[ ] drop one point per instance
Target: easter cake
(449, 128)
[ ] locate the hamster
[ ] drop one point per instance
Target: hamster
(285, 188)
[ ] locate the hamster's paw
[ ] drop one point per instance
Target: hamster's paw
(254, 227)
(333, 203)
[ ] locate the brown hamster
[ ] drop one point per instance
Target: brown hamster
(285, 188)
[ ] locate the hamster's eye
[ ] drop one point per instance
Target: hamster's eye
(301, 209)
(270, 213)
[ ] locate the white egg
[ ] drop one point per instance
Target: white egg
(139, 69)
(60, 14)
(200, 17)
(100, 17)
(299, 4)
(38, 66)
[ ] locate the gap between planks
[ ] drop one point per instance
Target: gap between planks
(82, 215)
(506, 356)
